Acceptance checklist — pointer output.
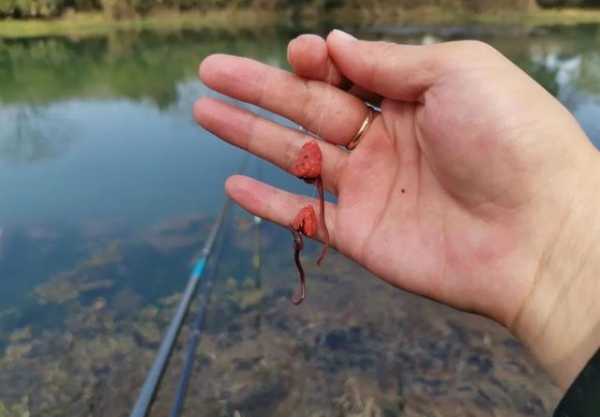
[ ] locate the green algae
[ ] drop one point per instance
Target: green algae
(19, 409)
(20, 335)
(83, 278)
(148, 332)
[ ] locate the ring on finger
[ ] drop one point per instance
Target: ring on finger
(363, 128)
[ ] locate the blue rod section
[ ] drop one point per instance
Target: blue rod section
(144, 401)
(199, 268)
(186, 373)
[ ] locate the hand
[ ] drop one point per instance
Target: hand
(469, 187)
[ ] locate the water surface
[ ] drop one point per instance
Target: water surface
(107, 189)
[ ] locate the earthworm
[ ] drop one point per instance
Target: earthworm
(298, 246)
(307, 167)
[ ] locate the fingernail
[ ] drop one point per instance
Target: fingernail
(343, 35)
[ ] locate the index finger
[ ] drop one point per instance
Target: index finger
(321, 108)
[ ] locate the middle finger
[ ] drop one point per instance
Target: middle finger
(266, 139)
(321, 108)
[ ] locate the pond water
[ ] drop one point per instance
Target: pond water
(107, 190)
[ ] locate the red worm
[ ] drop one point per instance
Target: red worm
(308, 168)
(298, 296)
(305, 222)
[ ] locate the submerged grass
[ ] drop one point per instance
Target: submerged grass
(235, 19)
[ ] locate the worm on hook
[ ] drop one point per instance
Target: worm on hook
(305, 223)
(308, 168)
(300, 293)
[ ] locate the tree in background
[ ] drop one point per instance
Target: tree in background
(31, 8)
(120, 9)
(569, 3)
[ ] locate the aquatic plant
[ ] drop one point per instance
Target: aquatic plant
(64, 288)
(20, 335)
(148, 332)
(19, 409)
(242, 296)
(178, 232)
(86, 276)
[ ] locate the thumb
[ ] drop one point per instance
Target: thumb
(401, 72)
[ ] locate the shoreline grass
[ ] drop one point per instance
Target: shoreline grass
(439, 16)
(96, 23)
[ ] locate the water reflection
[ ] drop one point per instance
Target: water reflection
(30, 134)
(107, 188)
(134, 65)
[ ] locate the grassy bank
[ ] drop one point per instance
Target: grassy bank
(82, 24)
(446, 16)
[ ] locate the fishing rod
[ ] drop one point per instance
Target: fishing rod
(194, 340)
(186, 373)
(199, 321)
(150, 386)
(146, 395)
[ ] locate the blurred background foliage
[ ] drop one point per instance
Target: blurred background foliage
(121, 9)
(48, 69)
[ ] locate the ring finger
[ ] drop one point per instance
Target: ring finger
(321, 108)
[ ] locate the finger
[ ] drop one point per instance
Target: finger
(392, 70)
(266, 139)
(323, 109)
(309, 58)
(276, 205)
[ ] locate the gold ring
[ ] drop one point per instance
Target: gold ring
(363, 128)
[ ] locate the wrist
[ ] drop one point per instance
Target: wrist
(560, 319)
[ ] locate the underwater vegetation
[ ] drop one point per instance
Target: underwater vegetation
(19, 409)
(71, 284)
(260, 356)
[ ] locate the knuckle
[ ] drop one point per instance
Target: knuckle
(477, 47)
(386, 50)
(290, 151)
(309, 107)
(251, 133)
(261, 93)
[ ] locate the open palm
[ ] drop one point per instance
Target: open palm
(441, 195)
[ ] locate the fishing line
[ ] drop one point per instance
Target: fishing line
(257, 259)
